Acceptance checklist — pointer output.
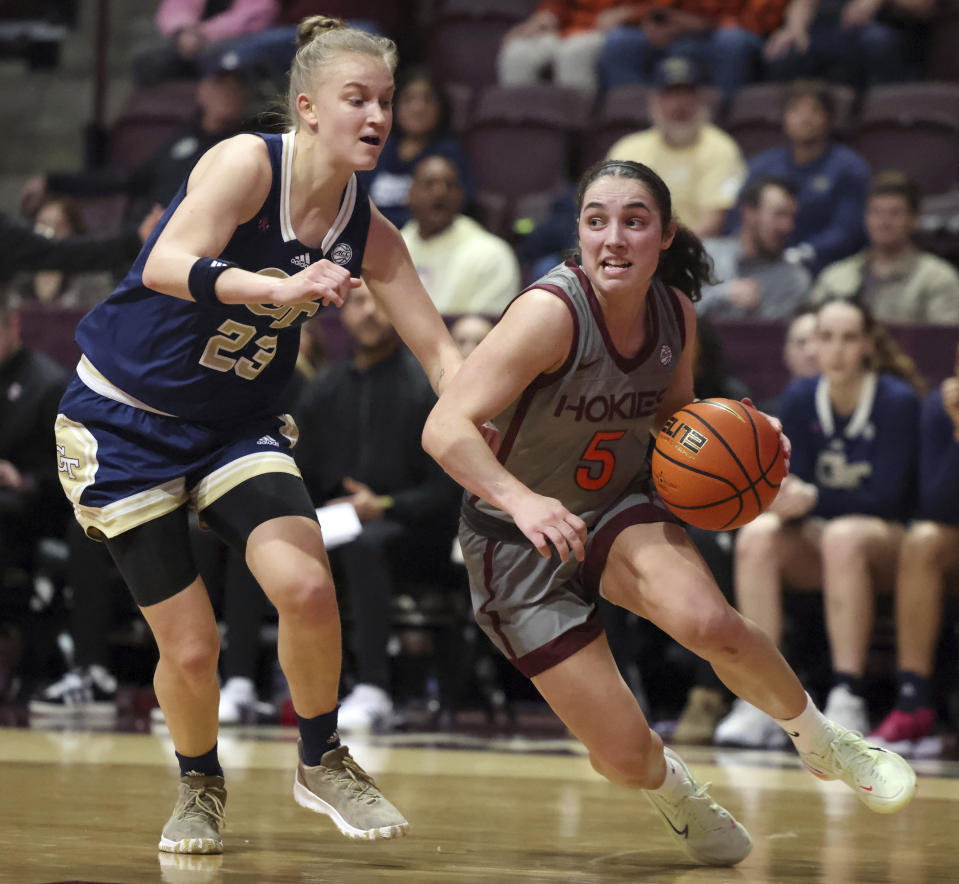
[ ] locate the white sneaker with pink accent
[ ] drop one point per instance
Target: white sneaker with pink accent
(882, 780)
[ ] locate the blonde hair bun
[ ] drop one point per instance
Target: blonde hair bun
(315, 25)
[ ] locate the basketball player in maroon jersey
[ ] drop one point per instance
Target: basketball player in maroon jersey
(581, 368)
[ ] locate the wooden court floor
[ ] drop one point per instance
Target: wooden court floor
(83, 806)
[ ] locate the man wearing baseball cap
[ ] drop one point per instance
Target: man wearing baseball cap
(702, 165)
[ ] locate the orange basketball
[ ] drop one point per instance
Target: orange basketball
(717, 464)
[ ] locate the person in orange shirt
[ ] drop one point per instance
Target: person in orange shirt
(564, 38)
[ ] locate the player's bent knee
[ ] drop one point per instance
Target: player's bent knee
(311, 599)
(194, 656)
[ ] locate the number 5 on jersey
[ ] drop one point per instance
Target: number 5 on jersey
(601, 461)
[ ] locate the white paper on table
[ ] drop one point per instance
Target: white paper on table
(339, 522)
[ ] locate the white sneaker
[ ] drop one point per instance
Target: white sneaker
(706, 831)
(238, 702)
(83, 691)
(751, 727)
(882, 780)
(365, 708)
(847, 709)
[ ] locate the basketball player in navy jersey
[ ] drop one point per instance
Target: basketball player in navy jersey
(172, 408)
(839, 519)
(579, 370)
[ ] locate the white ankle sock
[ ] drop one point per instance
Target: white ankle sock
(806, 727)
(675, 777)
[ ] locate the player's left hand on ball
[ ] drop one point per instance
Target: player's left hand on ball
(778, 427)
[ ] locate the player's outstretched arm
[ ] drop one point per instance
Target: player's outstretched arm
(389, 273)
(532, 338)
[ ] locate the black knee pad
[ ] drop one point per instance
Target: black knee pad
(155, 559)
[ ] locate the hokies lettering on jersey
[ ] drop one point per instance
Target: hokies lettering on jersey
(609, 406)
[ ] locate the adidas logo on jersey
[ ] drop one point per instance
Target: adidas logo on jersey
(267, 440)
(301, 260)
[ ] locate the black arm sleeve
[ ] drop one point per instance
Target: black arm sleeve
(23, 249)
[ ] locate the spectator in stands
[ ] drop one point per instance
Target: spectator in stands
(59, 217)
(193, 32)
(550, 238)
(755, 280)
(31, 385)
(928, 563)
(899, 282)
(360, 425)
(838, 520)
(223, 109)
(831, 179)
(469, 330)
(25, 249)
(800, 354)
(701, 164)
(97, 597)
(464, 268)
(30, 388)
(859, 42)
(561, 39)
(421, 128)
(726, 40)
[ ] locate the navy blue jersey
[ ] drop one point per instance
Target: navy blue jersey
(215, 363)
(938, 463)
(864, 463)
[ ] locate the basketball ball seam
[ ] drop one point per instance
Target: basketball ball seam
(763, 471)
(701, 506)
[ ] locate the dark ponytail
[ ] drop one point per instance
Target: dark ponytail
(686, 265)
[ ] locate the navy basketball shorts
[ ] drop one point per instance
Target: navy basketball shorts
(540, 611)
(122, 466)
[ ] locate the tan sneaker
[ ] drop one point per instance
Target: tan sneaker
(704, 709)
(197, 817)
(346, 793)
